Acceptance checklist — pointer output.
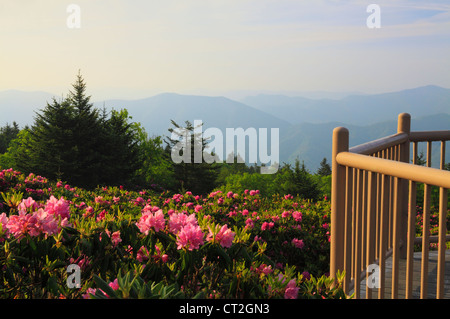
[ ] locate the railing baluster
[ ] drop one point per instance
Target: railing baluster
(348, 228)
(426, 232)
(385, 190)
(358, 236)
(396, 239)
(442, 231)
(363, 221)
(371, 220)
(411, 231)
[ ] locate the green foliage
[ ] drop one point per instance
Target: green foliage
(288, 180)
(156, 166)
(7, 134)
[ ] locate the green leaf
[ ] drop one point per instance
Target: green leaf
(199, 295)
(52, 285)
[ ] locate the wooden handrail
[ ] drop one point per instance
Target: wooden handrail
(423, 136)
(379, 144)
(421, 174)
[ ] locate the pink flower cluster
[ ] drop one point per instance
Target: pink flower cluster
(185, 227)
(190, 237)
(151, 218)
(298, 243)
(224, 236)
(291, 291)
(189, 233)
(34, 221)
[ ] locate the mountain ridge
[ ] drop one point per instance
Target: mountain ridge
(309, 141)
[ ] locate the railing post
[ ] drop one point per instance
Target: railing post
(338, 197)
(404, 126)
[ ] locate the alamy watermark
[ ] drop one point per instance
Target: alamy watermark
(374, 20)
(74, 279)
(257, 146)
(74, 19)
(373, 276)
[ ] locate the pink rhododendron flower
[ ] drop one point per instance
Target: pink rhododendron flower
(142, 254)
(291, 291)
(297, 216)
(101, 216)
(3, 222)
(179, 220)
(298, 243)
(114, 284)
(40, 222)
(88, 293)
(266, 225)
(27, 203)
(190, 237)
(249, 223)
(58, 207)
(198, 208)
(115, 238)
(224, 236)
(285, 214)
(149, 220)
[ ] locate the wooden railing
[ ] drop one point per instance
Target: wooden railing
(373, 208)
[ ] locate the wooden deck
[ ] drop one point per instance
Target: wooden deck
(432, 275)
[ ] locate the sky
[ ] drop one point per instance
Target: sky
(135, 49)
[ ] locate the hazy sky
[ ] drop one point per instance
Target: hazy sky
(134, 49)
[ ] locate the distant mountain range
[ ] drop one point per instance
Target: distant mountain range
(355, 109)
(305, 124)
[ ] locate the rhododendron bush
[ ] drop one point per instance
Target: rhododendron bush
(141, 244)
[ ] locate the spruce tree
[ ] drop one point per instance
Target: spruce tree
(88, 134)
(325, 168)
(72, 141)
(52, 144)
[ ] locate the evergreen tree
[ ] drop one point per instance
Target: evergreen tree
(325, 168)
(194, 174)
(7, 134)
(89, 135)
(305, 186)
(120, 149)
(52, 144)
(72, 141)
